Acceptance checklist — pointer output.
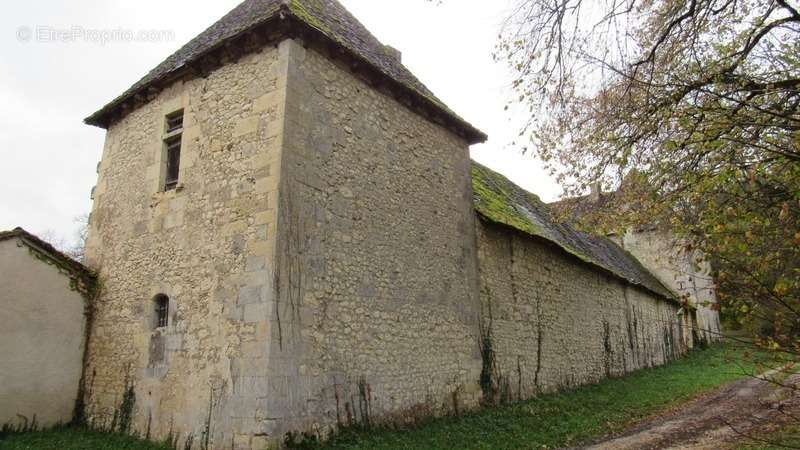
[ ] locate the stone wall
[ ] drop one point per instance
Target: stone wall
(554, 322)
(208, 245)
(322, 264)
(41, 338)
(686, 272)
(376, 314)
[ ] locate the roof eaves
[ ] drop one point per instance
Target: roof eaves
(473, 135)
(46, 249)
(489, 186)
(101, 119)
(664, 292)
(293, 9)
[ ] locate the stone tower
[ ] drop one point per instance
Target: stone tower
(290, 236)
(284, 233)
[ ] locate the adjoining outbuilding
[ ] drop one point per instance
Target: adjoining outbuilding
(43, 305)
(679, 265)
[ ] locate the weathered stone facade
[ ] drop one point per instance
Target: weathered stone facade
(376, 265)
(686, 272)
(325, 265)
(208, 245)
(553, 322)
(375, 270)
(678, 265)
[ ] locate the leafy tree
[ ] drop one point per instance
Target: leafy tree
(695, 104)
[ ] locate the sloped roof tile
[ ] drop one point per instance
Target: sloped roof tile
(499, 200)
(327, 17)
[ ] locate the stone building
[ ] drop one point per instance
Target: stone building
(291, 236)
(564, 307)
(685, 270)
(43, 301)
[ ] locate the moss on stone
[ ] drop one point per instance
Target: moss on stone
(493, 193)
(298, 8)
(499, 200)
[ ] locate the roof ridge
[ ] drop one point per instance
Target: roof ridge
(329, 20)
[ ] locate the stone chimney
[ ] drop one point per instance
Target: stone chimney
(596, 192)
(396, 54)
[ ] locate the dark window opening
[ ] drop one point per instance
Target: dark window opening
(162, 310)
(174, 121)
(172, 154)
(173, 163)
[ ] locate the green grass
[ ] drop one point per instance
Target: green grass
(550, 421)
(75, 439)
(775, 436)
(569, 418)
(781, 437)
(782, 441)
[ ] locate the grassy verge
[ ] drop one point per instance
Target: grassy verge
(550, 421)
(789, 438)
(573, 417)
(779, 434)
(75, 439)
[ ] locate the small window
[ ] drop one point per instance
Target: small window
(172, 150)
(175, 121)
(161, 304)
(173, 156)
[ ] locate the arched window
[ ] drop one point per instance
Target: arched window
(161, 305)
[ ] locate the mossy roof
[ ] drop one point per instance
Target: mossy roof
(500, 201)
(576, 209)
(327, 18)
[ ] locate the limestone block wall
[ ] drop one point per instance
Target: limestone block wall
(41, 339)
(208, 245)
(376, 314)
(554, 322)
(686, 272)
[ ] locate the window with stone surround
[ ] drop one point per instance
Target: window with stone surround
(172, 150)
(175, 121)
(161, 306)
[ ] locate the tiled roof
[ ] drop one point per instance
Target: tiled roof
(590, 212)
(327, 18)
(499, 200)
(576, 209)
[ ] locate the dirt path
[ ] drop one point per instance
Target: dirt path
(716, 421)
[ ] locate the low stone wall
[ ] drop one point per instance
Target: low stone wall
(551, 321)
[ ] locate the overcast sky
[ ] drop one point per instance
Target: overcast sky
(50, 82)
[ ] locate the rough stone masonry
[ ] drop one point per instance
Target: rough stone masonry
(329, 255)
